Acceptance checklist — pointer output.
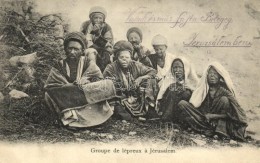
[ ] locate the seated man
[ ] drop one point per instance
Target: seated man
(213, 108)
(162, 59)
(140, 54)
(176, 86)
(73, 87)
(135, 82)
(99, 35)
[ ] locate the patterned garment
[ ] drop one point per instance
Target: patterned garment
(134, 99)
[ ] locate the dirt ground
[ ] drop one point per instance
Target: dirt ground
(28, 120)
(23, 125)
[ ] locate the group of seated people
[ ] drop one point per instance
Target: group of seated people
(99, 79)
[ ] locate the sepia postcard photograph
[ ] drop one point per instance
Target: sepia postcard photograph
(129, 81)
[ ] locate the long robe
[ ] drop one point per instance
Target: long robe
(105, 38)
(101, 43)
(79, 105)
(135, 100)
(171, 92)
(169, 103)
(224, 102)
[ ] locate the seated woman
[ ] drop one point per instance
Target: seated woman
(135, 82)
(99, 35)
(74, 89)
(213, 108)
(176, 86)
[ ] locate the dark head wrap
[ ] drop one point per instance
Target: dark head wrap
(76, 36)
(136, 30)
(123, 46)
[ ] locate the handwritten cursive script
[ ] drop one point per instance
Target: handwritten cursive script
(217, 41)
(144, 15)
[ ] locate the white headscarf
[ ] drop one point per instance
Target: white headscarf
(202, 89)
(162, 72)
(159, 40)
(191, 78)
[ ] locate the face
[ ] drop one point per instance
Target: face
(213, 76)
(178, 70)
(74, 50)
(98, 18)
(124, 58)
(134, 38)
(160, 49)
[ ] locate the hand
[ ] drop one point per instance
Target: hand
(186, 86)
(91, 54)
(158, 79)
(182, 87)
(138, 81)
(68, 84)
(83, 81)
(209, 117)
(96, 30)
(139, 50)
(158, 106)
(137, 47)
(109, 47)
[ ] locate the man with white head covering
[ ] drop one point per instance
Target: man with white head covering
(162, 59)
(213, 108)
(135, 36)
